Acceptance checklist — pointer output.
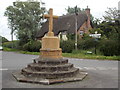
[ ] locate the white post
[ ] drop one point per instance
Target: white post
(76, 13)
(76, 32)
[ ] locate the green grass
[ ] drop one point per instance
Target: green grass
(84, 56)
(10, 49)
(20, 51)
(75, 54)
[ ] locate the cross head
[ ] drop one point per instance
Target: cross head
(50, 16)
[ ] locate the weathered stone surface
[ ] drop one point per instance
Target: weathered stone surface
(51, 53)
(45, 74)
(51, 47)
(49, 61)
(48, 71)
(50, 42)
(50, 68)
(21, 78)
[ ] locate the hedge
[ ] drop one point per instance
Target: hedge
(11, 44)
(32, 46)
(110, 47)
(67, 46)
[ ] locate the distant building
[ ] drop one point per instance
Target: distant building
(66, 25)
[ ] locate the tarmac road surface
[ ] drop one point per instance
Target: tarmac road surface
(101, 73)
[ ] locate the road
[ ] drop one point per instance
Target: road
(101, 73)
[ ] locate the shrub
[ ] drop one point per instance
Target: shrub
(11, 44)
(32, 46)
(110, 47)
(87, 43)
(80, 44)
(2, 40)
(67, 46)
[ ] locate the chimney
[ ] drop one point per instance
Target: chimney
(87, 10)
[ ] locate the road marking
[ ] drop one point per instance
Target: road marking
(102, 68)
(98, 68)
(84, 68)
(89, 68)
(3, 69)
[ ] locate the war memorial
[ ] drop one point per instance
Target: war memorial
(50, 67)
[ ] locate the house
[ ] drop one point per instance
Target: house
(66, 24)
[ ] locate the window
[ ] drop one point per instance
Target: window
(81, 32)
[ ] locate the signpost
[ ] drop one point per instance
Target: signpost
(95, 36)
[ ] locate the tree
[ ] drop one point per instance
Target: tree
(111, 14)
(24, 18)
(92, 31)
(71, 10)
(3, 39)
(96, 22)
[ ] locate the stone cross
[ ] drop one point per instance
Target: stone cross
(51, 17)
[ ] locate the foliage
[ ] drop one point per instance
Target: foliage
(111, 24)
(3, 39)
(80, 44)
(110, 29)
(109, 43)
(111, 14)
(80, 54)
(72, 37)
(20, 51)
(95, 22)
(110, 47)
(25, 19)
(11, 44)
(85, 36)
(67, 46)
(32, 46)
(87, 43)
(93, 30)
(71, 10)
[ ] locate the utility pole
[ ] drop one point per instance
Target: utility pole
(76, 13)
(12, 39)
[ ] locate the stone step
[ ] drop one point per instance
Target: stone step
(50, 68)
(50, 61)
(49, 75)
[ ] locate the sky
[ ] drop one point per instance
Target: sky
(97, 7)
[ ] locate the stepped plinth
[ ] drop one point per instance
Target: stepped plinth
(49, 71)
(50, 67)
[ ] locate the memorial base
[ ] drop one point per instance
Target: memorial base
(51, 53)
(49, 71)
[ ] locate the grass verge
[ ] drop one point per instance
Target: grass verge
(79, 55)
(84, 56)
(20, 51)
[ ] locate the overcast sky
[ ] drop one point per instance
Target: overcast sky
(98, 7)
